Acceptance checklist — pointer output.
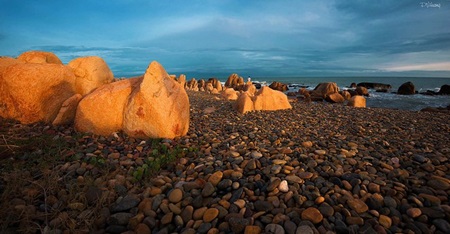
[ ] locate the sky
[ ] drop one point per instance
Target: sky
(258, 38)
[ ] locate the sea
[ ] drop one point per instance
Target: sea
(377, 99)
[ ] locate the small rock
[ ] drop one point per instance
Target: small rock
(312, 214)
(208, 190)
(385, 221)
(210, 214)
(274, 228)
(125, 203)
(252, 230)
(357, 205)
(413, 212)
(304, 229)
(283, 187)
(176, 195)
(215, 178)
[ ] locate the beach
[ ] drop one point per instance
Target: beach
(315, 168)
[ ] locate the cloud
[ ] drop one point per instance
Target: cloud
(441, 66)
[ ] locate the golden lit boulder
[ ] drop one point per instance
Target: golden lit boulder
(279, 86)
(66, 114)
(269, 99)
(345, 94)
(324, 89)
(158, 108)
(182, 80)
(244, 103)
(357, 101)
(101, 112)
(91, 72)
(234, 81)
(34, 92)
(250, 88)
(215, 83)
(192, 85)
(230, 94)
(334, 98)
(39, 57)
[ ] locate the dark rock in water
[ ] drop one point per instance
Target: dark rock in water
(352, 92)
(279, 86)
(353, 85)
(376, 86)
(445, 90)
(257, 85)
(407, 88)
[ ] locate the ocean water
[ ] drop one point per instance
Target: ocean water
(376, 99)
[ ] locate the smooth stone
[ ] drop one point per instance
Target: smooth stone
(442, 225)
(236, 194)
(326, 210)
(355, 221)
(304, 229)
(210, 214)
(413, 212)
(290, 227)
(357, 205)
(224, 184)
(252, 230)
(305, 175)
(274, 228)
(187, 213)
(176, 195)
(283, 187)
(198, 213)
(204, 228)
(312, 214)
(320, 152)
(208, 190)
(215, 178)
(390, 202)
(294, 179)
(307, 144)
(385, 221)
(167, 218)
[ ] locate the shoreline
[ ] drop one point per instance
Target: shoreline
(316, 167)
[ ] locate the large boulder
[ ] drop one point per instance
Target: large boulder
(230, 94)
(345, 94)
(101, 112)
(250, 88)
(158, 108)
(445, 90)
(192, 85)
(244, 103)
(324, 89)
(234, 81)
(269, 99)
(357, 101)
(361, 90)
(182, 80)
(279, 86)
(202, 85)
(32, 92)
(39, 57)
(265, 99)
(335, 98)
(91, 72)
(215, 83)
(407, 88)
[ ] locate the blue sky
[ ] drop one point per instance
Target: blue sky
(214, 38)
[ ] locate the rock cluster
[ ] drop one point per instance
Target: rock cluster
(329, 91)
(265, 99)
(154, 106)
(407, 88)
(37, 86)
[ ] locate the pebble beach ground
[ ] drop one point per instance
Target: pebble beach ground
(317, 168)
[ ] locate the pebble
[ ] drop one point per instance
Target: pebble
(357, 205)
(283, 187)
(215, 178)
(274, 228)
(312, 214)
(125, 203)
(414, 212)
(210, 214)
(304, 229)
(176, 195)
(385, 221)
(252, 229)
